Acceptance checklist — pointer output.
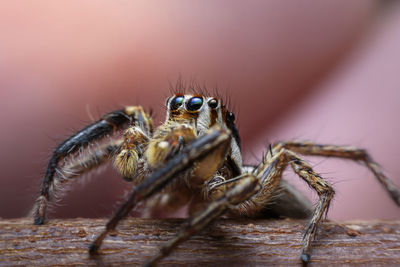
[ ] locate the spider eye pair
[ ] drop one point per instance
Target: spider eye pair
(193, 104)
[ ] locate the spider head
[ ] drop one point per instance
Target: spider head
(202, 112)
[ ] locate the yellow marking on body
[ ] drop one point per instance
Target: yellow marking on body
(132, 109)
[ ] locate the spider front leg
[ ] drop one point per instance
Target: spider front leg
(244, 188)
(215, 140)
(73, 146)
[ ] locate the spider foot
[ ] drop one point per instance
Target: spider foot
(93, 248)
(307, 239)
(39, 211)
(305, 257)
(39, 220)
(151, 262)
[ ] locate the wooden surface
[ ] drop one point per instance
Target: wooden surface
(225, 243)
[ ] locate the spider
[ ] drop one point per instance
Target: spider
(194, 159)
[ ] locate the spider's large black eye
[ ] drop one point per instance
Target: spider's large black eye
(176, 102)
(194, 103)
(213, 103)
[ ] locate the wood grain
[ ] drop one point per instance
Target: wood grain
(225, 243)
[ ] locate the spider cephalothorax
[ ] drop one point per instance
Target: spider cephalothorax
(188, 117)
(194, 159)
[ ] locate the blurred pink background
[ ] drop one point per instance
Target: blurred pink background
(322, 71)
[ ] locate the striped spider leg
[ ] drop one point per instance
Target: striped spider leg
(287, 154)
(249, 193)
(346, 152)
(214, 144)
(75, 157)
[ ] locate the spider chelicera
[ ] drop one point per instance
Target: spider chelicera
(194, 159)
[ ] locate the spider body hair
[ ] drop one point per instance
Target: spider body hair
(194, 159)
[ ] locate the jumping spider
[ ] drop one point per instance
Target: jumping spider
(194, 159)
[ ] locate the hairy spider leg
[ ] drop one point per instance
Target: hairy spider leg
(131, 150)
(325, 193)
(244, 188)
(168, 140)
(286, 201)
(87, 163)
(214, 139)
(77, 168)
(270, 171)
(285, 151)
(107, 125)
(348, 152)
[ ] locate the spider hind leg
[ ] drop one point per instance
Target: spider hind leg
(345, 152)
(284, 154)
(269, 172)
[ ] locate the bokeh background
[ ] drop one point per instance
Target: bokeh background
(325, 71)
